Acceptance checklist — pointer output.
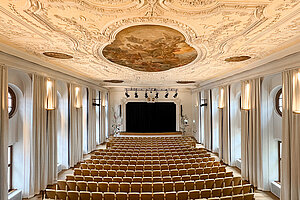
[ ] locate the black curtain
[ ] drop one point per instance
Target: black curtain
(150, 117)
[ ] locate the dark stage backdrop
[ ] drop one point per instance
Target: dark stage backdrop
(150, 117)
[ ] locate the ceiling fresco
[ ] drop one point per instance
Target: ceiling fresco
(150, 48)
(188, 40)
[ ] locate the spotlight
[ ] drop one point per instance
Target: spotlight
(136, 94)
(176, 94)
(146, 94)
(167, 94)
(156, 96)
(126, 94)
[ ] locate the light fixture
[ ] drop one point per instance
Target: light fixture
(203, 102)
(50, 98)
(126, 94)
(136, 94)
(156, 95)
(296, 93)
(246, 96)
(78, 97)
(221, 98)
(104, 99)
(167, 94)
(146, 94)
(176, 94)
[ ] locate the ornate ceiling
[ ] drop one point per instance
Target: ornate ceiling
(216, 30)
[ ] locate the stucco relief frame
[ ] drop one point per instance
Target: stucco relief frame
(114, 28)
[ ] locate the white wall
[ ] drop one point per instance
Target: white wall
(62, 125)
(117, 97)
(195, 115)
(21, 84)
(215, 119)
(271, 128)
(235, 122)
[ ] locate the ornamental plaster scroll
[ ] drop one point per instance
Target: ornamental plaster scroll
(208, 7)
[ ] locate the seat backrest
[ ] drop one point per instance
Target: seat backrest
(61, 194)
(85, 195)
(194, 194)
(113, 187)
(182, 195)
(71, 185)
(121, 196)
(158, 195)
(97, 195)
(73, 195)
(206, 193)
(81, 185)
(61, 185)
(50, 194)
(170, 195)
(168, 186)
(216, 192)
(179, 186)
(109, 196)
(124, 187)
(199, 184)
(102, 186)
(135, 187)
(92, 186)
(209, 183)
(133, 196)
(146, 196)
(189, 185)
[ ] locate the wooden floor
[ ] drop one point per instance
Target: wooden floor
(259, 195)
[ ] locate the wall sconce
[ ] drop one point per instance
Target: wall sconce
(203, 102)
(246, 96)
(197, 103)
(296, 93)
(51, 94)
(78, 97)
(221, 98)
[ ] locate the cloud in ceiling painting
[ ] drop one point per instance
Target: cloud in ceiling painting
(150, 48)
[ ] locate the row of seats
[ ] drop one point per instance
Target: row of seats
(153, 150)
(205, 161)
(88, 165)
(164, 157)
(148, 161)
(150, 187)
(149, 179)
(180, 195)
(151, 169)
(150, 173)
(159, 138)
(150, 140)
(138, 147)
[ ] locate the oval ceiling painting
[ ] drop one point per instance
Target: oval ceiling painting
(150, 48)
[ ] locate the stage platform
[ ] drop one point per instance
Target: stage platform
(151, 134)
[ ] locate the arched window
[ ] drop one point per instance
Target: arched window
(12, 102)
(278, 102)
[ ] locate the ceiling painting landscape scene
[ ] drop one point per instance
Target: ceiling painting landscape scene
(150, 48)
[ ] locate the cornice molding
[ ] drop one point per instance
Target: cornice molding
(275, 63)
(34, 66)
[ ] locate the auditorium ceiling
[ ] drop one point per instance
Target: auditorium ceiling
(149, 42)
